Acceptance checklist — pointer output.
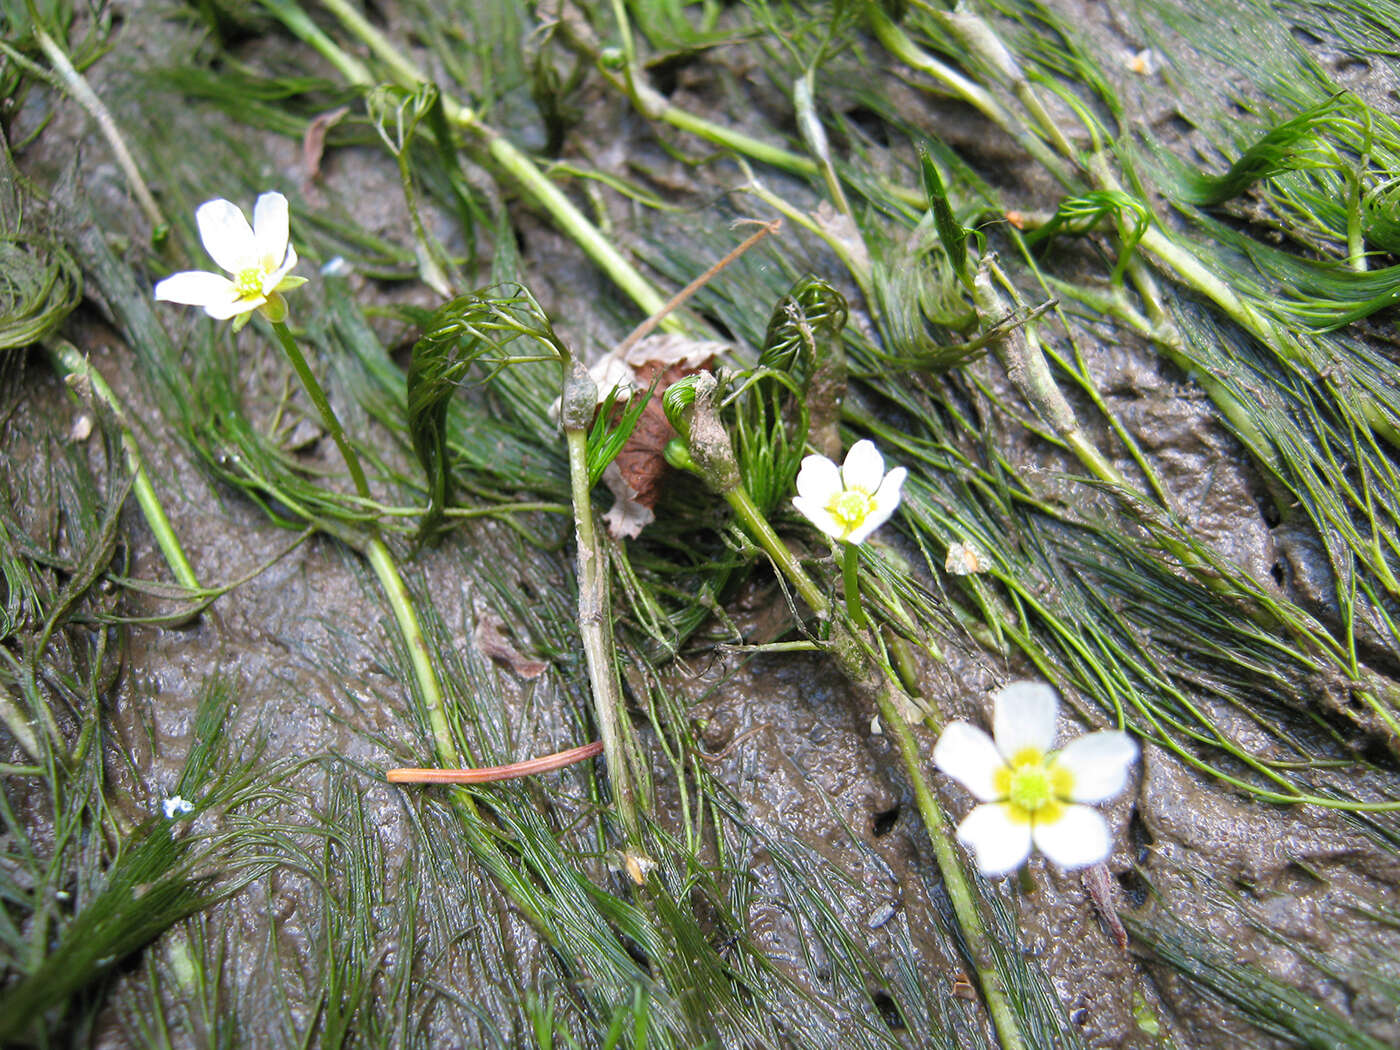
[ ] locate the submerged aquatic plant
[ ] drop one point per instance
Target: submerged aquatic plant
(259, 256)
(1029, 793)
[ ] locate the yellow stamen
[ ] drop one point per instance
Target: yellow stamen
(850, 508)
(249, 282)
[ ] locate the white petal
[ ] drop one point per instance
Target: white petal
(1077, 839)
(232, 307)
(1002, 843)
(818, 480)
(818, 515)
(226, 235)
(886, 502)
(864, 467)
(968, 755)
(195, 288)
(1024, 717)
(1099, 764)
(271, 229)
(272, 280)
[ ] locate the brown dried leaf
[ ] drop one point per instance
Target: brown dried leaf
(491, 640)
(641, 465)
(313, 143)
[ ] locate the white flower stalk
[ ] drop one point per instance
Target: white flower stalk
(1029, 793)
(260, 258)
(849, 502)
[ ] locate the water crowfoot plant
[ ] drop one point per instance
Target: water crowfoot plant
(261, 258)
(1029, 793)
(845, 505)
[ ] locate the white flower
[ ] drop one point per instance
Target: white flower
(260, 258)
(1028, 792)
(849, 502)
(176, 806)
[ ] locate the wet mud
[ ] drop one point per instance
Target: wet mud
(306, 643)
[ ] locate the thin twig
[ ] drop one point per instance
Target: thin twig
(676, 301)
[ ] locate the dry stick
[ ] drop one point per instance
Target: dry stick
(81, 92)
(676, 301)
(487, 774)
(578, 404)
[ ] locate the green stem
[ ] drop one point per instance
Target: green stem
(753, 519)
(850, 577)
(380, 559)
(897, 43)
(329, 419)
(72, 363)
(387, 572)
(595, 626)
(1021, 355)
(955, 879)
(574, 223)
(565, 215)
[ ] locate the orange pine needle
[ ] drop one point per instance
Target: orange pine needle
(486, 774)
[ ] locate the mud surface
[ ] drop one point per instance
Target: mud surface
(306, 642)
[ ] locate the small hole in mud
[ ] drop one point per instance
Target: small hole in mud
(638, 956)
(1134, 887)
(884, 821)
(889, 1012)
(1376, 752)
(666, 75)
(725, 333)
(1276, 571)
(870, 123)
(1179, 125)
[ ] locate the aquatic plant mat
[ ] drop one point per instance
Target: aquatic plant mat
(1114, 282)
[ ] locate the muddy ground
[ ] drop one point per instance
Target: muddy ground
(304, 642)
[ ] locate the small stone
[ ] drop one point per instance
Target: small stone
(964, 560)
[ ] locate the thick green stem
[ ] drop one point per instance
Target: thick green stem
(573, 222)
(897, 43)
(75, 364)
(329, 420)
(850, 578)
(955, 879)
(380, 559)
(1024, 361)
(387, 572)
(595, 626)
(787, 563)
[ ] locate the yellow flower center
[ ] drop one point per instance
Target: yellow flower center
(249, 282)
(1030, 788)
(850, 508)
(1034, 786)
